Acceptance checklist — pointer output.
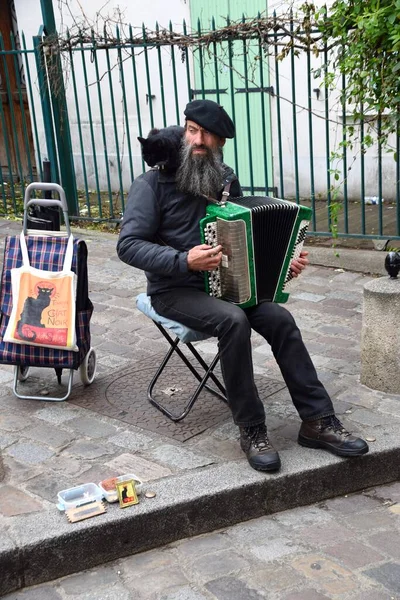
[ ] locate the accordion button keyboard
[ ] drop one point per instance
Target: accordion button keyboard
(214, 277)
(210, 234)
(301, 236)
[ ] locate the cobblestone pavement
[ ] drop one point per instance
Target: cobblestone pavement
(46, 447)
(342, 549)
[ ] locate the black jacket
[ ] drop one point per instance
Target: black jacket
(159, 227)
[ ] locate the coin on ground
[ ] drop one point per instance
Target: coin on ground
(150, 494)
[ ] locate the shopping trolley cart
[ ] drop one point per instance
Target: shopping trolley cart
(47, 251)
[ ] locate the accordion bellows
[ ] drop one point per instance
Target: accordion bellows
(260, 236)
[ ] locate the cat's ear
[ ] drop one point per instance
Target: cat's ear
(142, 140)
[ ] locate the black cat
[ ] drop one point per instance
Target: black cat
(161, 147)
(32, 312)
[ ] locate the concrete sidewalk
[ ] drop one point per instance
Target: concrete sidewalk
(203, 483)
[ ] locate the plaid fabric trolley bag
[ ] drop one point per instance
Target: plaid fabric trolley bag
(47, 252)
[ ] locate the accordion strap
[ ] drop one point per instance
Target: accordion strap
(227, 190)
(225, 195)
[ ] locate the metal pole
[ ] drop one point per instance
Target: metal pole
(51, 146)
(48, 16)
(60, 113)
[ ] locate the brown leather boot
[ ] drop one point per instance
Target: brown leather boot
(329, 433)
(261, 455)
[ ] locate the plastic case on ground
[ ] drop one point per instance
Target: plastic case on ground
(77, 496)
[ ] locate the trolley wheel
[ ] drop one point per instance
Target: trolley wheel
(87, 369)
(23, 372)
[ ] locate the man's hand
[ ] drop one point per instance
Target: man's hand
(204, 258)
(299, 264)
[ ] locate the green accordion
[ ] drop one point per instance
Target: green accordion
(260, 236)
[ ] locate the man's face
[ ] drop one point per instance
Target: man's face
(200, 172)
(200, 139)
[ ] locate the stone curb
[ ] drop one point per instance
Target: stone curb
(369, 262)
(186, 505)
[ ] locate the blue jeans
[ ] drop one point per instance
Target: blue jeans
(232, 326)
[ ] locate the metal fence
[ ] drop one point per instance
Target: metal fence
(83, 109)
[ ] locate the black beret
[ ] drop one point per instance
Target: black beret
(211, 116)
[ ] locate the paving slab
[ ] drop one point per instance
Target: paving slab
(201, 478)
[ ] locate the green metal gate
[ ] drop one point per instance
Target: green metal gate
(114, 88)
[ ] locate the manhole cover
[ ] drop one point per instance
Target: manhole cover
(123, 395)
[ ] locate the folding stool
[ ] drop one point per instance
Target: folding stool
(186, 336)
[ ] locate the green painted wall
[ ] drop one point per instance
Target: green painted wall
(251, 153)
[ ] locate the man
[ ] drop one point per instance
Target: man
(160, 234)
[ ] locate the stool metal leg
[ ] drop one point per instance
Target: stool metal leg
(205, 367)
(202, 379)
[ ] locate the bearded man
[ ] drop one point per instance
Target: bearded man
(160, 234)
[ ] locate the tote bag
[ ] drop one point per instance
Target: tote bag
(43, 304)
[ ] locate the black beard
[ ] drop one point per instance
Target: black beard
(201, 174)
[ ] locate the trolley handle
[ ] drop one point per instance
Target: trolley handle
(46, 187)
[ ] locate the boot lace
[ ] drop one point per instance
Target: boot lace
(259, 437)
(333, 423)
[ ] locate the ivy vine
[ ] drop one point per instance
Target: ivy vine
(363, 37)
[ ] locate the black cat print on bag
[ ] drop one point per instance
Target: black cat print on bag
(32, 313)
